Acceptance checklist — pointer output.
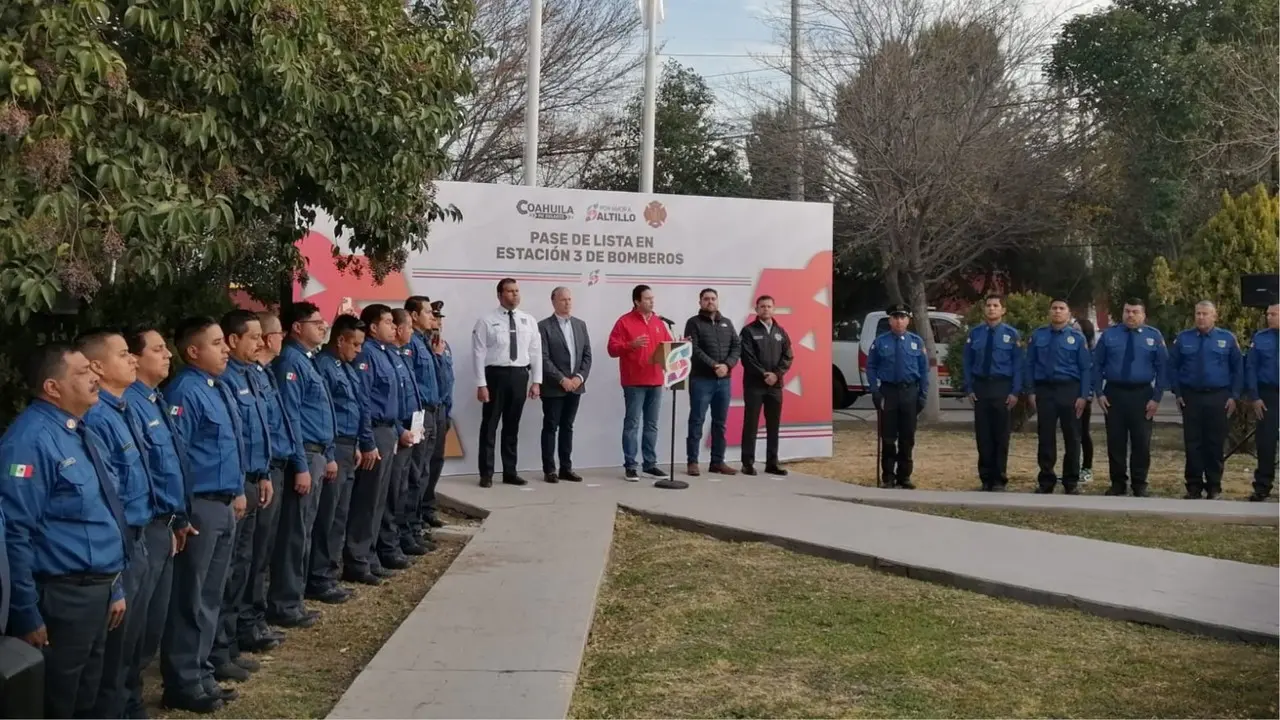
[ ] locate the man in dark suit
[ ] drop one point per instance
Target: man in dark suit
(566, 363)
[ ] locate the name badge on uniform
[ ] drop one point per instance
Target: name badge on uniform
(1222, 343)
(1071, 340)
(244, 391)
(127, 447)
(757, 337)
(153, 423)
(724, 324)
(67, 463)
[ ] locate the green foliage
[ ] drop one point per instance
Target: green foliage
(143, 141)
(1025, 312)
(688, 157)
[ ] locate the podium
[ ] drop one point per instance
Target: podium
(676, 359)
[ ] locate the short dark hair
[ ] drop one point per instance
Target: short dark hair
(417, 303)
(704, 291)
(1138, 302)
(372, 314)
(187, 331)
(295, 312)
(136, 337)
(637, 291)
(400, 316)
(762, 298)
(344, 325)
(1060, 300)
(90, 342)
(46, 362)
(504, 282)
(993, 296)
(1086, 329)
(236, 322)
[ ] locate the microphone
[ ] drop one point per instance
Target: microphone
(667, 320)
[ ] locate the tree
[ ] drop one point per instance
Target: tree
(587, 60)
(152, 141)
(772, 149)
(689, 157)
(941, 151)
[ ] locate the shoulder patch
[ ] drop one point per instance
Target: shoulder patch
(175, 411)
(290, 376)
(21, 471)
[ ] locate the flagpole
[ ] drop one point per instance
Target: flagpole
(531, 101)
(650, 95)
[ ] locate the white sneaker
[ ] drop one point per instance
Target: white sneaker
(1086, 476)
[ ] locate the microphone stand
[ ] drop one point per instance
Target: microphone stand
(670, 482)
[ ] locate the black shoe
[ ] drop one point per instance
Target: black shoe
(332, 595)
(382, 572)
(1192, 495)
(550, 477)
(230, 672)
(202, 704)
(258, 643)
(985, 488)
(906, 485)
(1000, 487)
(1258, 497)
(394, 562)
(630, 475)
(1114, 491)
(1141, 491)
(570, 476)
(433, 521)
(1071, 489)
(514, 480)
(225, 694)
(775, 470)
(1213, 493)
(1044, 489)
(248, 663)
(748, 469)
(364, 578)
(414, 548)
(305, 619)
(486, 482)
(655, 471)
(266, 631)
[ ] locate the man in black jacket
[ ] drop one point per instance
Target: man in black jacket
(715, 351)
(766, 358)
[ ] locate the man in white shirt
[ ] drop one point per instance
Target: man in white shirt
(506, 353)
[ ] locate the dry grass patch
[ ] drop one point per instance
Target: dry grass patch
(305, 677)
(688, 626)
(947, 459)
(1256, 544)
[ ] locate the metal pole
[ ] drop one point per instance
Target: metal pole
(531, 101)
(650, 96)
(797, 174)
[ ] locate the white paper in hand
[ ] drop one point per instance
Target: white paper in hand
(416, 427)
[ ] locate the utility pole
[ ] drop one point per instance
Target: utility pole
(797, 173)
(650, 94)
(532, 87)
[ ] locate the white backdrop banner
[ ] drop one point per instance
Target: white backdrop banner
(600, 245)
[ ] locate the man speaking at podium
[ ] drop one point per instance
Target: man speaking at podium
(633, 340)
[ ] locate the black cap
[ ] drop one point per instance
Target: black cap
(437, 308)
(898, 309)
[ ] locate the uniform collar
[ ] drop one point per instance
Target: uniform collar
(293, 343)
(208, 378)
(112, 400)
(57, 415)
(241, 365)
(145, 390)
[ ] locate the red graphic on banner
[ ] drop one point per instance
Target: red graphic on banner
(329, 286)
(806, 293)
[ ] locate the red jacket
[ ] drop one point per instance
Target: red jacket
(635, 365)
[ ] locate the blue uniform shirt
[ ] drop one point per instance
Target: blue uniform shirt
(306, 398)
(410, 398)
(422, 363)
(59, 514)
(1060, 355)
(165, 456)
(898, 359)
(121, 432)
(253, 418)
(1005, 356)
(1206, 361)
(350, 413)
(376, 364)
(286, 445)
(200, 406)
(1260, 364)
(1115, 362)
(444, 373)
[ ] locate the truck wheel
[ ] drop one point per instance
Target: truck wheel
(841, 398)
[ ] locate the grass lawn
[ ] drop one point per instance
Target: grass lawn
(947, 459)
(1257, 544)
(688, 626)
(305, 677)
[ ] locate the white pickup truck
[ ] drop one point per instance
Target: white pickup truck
(852, 341)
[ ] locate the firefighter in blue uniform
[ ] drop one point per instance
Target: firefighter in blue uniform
(1060, 367)
(443, 355)
(993, 381)
(1206, 375)
(1261, 384)
(1129, 379)
(898, 375)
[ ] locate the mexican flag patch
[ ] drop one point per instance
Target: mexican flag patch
(21, 471)
(176, 410)
(290, 376)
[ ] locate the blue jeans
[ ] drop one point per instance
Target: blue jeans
(646, 402)
(707, 393)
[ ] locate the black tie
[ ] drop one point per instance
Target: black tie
(1126, 365)
(988, 351)
(108, 490)
(230, 402)
(177, 448)
(1203, 372)
(135, 431)
(511, 335)
(284, 416)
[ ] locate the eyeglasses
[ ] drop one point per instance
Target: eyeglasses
(317, 322)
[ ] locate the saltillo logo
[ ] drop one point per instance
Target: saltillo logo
(545, 211)
(610, 213)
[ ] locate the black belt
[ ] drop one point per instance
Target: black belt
(81, 579)
(913, 383)
(384, 423)
(218, 497)
(1204, 391)
(1128, 385)
(313, 447)
(993, 378)
(1064, 381)
(345, 439)
(505, 367)
(279, 463)
(429, 407)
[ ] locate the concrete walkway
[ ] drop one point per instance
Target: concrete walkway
(503, 631)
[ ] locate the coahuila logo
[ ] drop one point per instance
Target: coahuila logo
(610, 213)
(543, 211)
